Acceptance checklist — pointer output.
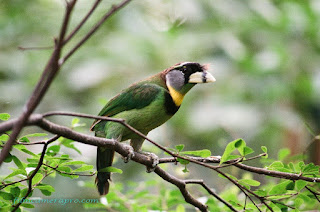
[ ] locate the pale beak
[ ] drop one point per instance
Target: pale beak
(201, 77)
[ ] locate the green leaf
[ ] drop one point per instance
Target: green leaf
(180, 208)
(24, 191)
(183, 161)
(281, 188)
(24, 149)
(53, 150)
(9, 158)
(36, 135)
(261, 192)
(275, 165)
(4, 116)
(290, 186)
(18, 163)
(229, 149)
(239, 143)
(298, 202)
(249, 182)
(24, 139)
(229, 175)
(73, 163)
(264, 149)
(247, 150)
(27, 205)
(16, 172)
(306, 198)
(83, 168)
(66, 169)
(37, 178)
(283, 153)
(300, 184)
(6, 196)
(179, 147)
(4, 137)
(15, 191)
(111, 169)
(199, 153)
(185, 170)
(46, 188)
(310, 169)
(74, 122)
(69, 143)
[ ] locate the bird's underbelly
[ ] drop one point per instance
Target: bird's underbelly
(144, 120)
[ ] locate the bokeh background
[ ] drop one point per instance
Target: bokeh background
(264, 55)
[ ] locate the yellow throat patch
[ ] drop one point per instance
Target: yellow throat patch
(176, 96)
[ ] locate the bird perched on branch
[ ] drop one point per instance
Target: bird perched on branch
(144, 105)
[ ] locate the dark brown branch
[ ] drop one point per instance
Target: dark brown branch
(182, 187)
(35, 171)
(210, 191)
(62, 172)
(82, 22)
(42, 86)
(257, 170)
(112, 11)
(315, 194)
(40, 121)
(35, 48)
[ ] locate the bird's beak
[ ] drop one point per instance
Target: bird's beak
(201, 77)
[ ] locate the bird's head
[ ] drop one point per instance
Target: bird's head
(181, 77)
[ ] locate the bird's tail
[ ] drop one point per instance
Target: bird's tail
(104, 159)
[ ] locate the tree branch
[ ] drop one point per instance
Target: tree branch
(39, 120)
(82, 22)
(182, 187)
(113, 10)
(35, 171)
(42, 86)
(210, 191)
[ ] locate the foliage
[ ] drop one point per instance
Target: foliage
(264, 55)
(279, 194)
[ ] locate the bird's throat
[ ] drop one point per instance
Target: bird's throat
(177, 97)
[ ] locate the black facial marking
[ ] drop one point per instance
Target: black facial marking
(170, 106)
(190, 68)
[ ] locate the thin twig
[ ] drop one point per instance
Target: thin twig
(35, 171)
(112, 11)
(210, 191)
(82, 22)
(35, 48)
(42, 86)
(315, 194)
(62, 172)
(182, 187)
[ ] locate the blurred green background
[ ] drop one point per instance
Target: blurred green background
(264, 55)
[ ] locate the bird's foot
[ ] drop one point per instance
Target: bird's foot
(155, 161)
(130, 155)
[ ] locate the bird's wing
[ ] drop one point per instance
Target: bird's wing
(136, 96)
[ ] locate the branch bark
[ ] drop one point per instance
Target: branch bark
(40, 121)
(54, 64)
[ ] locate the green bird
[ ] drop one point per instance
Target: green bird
(144, 105)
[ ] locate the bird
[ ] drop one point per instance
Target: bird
(145, 105)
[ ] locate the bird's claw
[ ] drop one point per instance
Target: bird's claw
(155, 161)
(130, 155)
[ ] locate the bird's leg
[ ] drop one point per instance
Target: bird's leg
(131, 153)
(154, 158)
(137, 144)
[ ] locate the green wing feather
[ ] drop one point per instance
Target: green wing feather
(136, 96)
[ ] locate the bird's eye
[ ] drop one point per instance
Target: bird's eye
(184, 69)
